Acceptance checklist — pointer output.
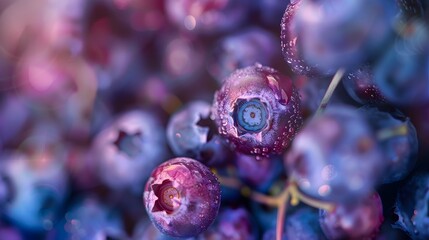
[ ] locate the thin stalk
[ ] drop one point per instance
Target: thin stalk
(332, 86)
(281, 213)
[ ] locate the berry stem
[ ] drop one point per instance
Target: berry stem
(331, 88)
(298, 196)
(281, 213)
(290, 194)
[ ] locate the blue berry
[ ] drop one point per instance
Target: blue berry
(89, 219)
(301, 223)
(360, 220)
(259, 174)
(289, 44)
(242, 49)
(191, 133)
(37, 187)
(182, 197)
(398, 139)
(412, 207)
(128, 149)
(258, 110)
(336, 157)
(234, 224)
(402, 72)
(360, 85)
(335, 34)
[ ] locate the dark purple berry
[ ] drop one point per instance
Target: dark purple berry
(289, 43)
(258, 110)
(410, 9)
(360, 85)
(361, 220)
(412, 207)
(341, 34)
(182, 197)
(233, 224)
(398, 139)
(402, 73)
(258, 173)
(241, 50)
(336, 157)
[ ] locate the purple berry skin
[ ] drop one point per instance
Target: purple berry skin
(343, 34)
(182, 197)
(360, 85)
(243, 49)
(412, 207)
(232, 224)
(289, 43)
(259, 174)
(258, 110)
(357, 221)
(336, 157)
(410, 9)
(401, 148)
(402, 73)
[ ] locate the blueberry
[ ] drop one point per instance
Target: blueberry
(89, 219)
(38, 184)
(258, 110)
(289, 44)
(398, 139)
(412, 207)
(234, 224)
(402, 73)
(259, 174)
(335, 34)
(336, 157)
(191, 133)
(301, 223)
(360, 85)
(360, 220)
(128, 149)
(242, 49)
(182, 197)
(271, 11)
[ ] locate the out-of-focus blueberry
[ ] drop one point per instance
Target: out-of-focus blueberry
(402, 74)
(89, 219)
(243, 49)
(397, 137)
(336, 157)
(128, 149)
(207, 17)
(356, 221)
(412, 207)
(335, 34)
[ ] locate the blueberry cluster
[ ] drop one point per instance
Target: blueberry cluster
(214, 119)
